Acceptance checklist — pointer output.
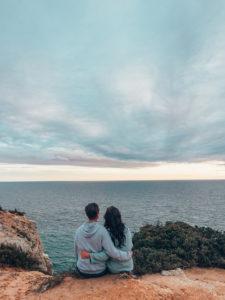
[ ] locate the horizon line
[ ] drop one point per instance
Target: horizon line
(105, 181)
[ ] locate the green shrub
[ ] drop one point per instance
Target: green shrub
(15, 257)
(17, 212)
(13, 211)
(164, 247)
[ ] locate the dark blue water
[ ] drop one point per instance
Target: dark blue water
(58, 207)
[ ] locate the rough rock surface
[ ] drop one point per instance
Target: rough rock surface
(197, 284)
(20, 244)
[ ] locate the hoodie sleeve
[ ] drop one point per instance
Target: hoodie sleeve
(111, 250)
(98, 256)
(102, 255)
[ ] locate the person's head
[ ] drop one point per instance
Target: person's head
(92, 211)
(115, 226)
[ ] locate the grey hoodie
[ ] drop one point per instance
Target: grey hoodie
(93, 237)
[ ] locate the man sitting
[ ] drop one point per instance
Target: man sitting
(93, 237)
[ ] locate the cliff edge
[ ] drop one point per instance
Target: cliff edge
(25, 273)
(20, 244)
(193, 284)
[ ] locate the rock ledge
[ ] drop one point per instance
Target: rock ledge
(20, 244)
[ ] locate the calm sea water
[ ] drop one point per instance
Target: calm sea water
(58, 207)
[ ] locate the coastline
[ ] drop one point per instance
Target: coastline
(26, 271)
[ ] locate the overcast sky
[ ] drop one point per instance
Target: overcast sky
(110, 87)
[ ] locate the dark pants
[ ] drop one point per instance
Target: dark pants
(85, 275)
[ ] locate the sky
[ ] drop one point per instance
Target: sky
(112, 90)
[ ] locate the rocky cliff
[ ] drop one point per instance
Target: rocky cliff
(20, 244)
(23, 264)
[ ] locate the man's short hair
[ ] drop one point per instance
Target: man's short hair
(92, 210)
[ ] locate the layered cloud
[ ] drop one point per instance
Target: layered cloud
(127, 85)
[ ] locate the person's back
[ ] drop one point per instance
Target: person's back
(116, 266)
(89, 236)
(93, 237)
(122, 239)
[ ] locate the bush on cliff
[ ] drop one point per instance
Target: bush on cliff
(13, 256)
(17, 212)
(13, 211)
(177, 245)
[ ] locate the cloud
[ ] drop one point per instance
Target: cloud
(133, 87)
(149, 93)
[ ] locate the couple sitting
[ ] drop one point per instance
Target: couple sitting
(98, 248)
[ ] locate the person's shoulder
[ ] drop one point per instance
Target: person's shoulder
(77, 230)
(102, 229)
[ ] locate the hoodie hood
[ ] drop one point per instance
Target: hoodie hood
(89, 229)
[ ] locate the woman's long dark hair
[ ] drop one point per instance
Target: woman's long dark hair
(115, 226)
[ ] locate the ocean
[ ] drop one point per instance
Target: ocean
(58, 207)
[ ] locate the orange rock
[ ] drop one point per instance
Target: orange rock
(197, 284)
(18, 233)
